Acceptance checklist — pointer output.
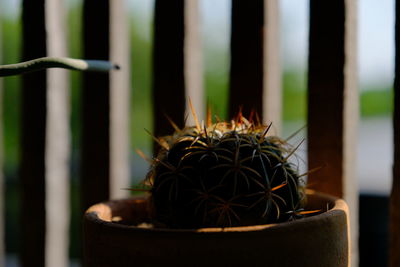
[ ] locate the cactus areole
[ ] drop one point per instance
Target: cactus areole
(222, 175)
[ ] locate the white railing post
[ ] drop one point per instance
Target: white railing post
(272, 94)
(57, 151)
(193, 60)
(120, 84)
(350, 125)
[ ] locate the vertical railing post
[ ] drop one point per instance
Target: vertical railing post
(394, 256)
(246, 71)
(333, 104)
(168, 65)
(57, 151)
(120, 84)
(95, 138)
(193, 61)
(177, 64)
(2, 182)
(255, 75)
(272, 82)
(33, 132)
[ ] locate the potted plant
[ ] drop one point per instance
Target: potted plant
(222, 194)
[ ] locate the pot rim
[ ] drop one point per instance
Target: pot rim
(101, 214)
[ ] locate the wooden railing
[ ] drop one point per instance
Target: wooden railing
(333, 104)
(255, 82)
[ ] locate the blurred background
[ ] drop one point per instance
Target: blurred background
(376, 71)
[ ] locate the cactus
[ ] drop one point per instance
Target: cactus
(224, 174)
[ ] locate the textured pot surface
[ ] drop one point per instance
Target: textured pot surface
(320, 240)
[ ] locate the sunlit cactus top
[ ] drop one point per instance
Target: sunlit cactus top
(224, 174)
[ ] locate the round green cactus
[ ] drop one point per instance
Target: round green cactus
(225, 174)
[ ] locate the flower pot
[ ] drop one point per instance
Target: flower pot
(319, 240)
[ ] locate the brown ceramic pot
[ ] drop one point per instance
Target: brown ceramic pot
(320, 240)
